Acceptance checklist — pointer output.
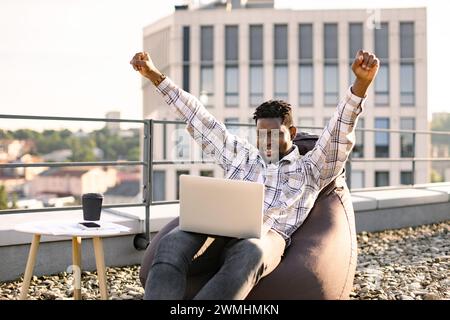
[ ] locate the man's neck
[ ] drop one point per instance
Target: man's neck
(289, 151)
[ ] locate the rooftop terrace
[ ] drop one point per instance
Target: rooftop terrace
(403, 264)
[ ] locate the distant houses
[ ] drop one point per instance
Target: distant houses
(73, 181)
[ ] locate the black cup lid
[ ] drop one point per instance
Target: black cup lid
(93, 195)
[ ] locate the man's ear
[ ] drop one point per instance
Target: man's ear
(293, 132)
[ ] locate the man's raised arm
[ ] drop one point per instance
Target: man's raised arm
(328, 157)
(213, 137)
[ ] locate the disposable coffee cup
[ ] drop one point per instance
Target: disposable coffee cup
(92, 206)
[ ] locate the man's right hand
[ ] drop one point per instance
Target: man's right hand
(143, 63)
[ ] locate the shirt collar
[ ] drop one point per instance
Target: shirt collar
(292, 156)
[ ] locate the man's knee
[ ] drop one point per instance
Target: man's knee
(177, 247)
(170, 249)
(247, 252)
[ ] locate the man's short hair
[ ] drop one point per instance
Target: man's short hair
(275, 109)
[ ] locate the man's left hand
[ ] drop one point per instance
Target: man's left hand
(365, 66)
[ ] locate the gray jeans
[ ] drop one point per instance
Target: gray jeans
(241, 264)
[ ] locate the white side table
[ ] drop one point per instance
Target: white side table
(69, 229)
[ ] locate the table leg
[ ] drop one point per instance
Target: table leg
(30, 266)
(100, 262)
(76, 267)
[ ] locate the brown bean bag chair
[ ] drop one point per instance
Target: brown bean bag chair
(320, 263)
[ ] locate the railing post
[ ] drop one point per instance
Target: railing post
(413, 178)
(141, 241)
(164, 141)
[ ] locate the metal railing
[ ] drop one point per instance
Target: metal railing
(141, 241)
(148, 162)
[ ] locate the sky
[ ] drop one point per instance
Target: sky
(71, 57)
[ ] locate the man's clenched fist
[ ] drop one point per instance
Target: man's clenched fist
(365, 66)
(143, 63)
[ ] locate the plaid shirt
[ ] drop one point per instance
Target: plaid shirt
(294, 182)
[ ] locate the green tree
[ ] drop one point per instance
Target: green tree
(82, 150)
(436, 177)
(3, 198)
(5, 134)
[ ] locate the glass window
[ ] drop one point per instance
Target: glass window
(382, 41)
(280, 42)
(159, 185)
(407, 40)
(355, 39)
(231, 128)
(331, 79)
(186, 58)
(186, 81)
(207, 43)
(357, 179)
(281, 80)
(305, 124)
(407, 81)
(206, 85)
(231, 43)
(381, 178)
(256, 43)
(182, 141)
(406, 177)
(355, 34)
(206, 173)
(179, 173)
(382, 86)
(306, 84)
(231, 86)
(305, 50)
(358, 149)
(382, 138)
(186, 43)
(330, 41)
(256, 85)
(406, 139)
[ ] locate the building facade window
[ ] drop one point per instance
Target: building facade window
(159, 185)
(207, 65)
(407, 67)
(382, 138)
(381, 178)
(256, 74)
(256, 85)
(358, 179)
(358, 149)
(355, 43)
(231, 66)
(281, 74)
(406, 139)
(407, 81)
(381, 38)
(331, 73)
(306, 66)
(186, 58)
(182, 141)
(207, 173)
(232, 128)
(177, 182)
(305, 124)
(406, 177)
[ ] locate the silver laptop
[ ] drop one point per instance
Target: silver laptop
(215, 206)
